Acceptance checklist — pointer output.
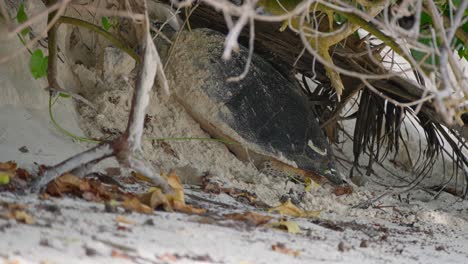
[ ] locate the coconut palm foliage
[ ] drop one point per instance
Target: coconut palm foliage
(353, 51)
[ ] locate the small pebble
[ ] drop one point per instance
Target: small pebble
(24, 149)
(343, 247)
(364, 243)
(149, 222)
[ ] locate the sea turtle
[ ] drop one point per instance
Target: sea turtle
(265, 113)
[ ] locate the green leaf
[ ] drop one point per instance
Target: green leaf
(420, 55)
(461, 48)
(4, 178)
(64, 95)
(339, 18)
(22, 17)
(106, 23)
(38, 64)
(425, 19)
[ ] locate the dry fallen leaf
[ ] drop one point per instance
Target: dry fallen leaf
(20, 216)
(117, 254)
(133, 204)
(15, 206)
(281, 248)
(290, 226)
(8, 166)
(23, 174)
(66, 183)
(24, 217)
(250, 217)
(177, 199)
(343, 189)
(168, 258)
(17, 212)
(155, 198)
(123, 220)
(288, 208)
(238, 194)
(88, 188)
(175, 183)
(94, 190)
(188, 209)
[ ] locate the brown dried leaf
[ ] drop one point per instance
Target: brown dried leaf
(87, 188)
(64, 184)
(8, 166)
(250, 217)
(214, 187)
(23, 174)
(281, 248)
(343, 189)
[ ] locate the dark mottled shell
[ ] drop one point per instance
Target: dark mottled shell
(265, 111)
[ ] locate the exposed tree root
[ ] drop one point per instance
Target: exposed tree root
(128, 144)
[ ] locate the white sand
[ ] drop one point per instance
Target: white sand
(407, 231)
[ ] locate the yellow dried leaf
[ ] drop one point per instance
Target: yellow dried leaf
(135, 205)
(290, 226)
(188, 209)
(288, 208)
(250, 217)
(155, 198)
(24, 217)
(175, 183)
(123, 220)
(308, 184)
